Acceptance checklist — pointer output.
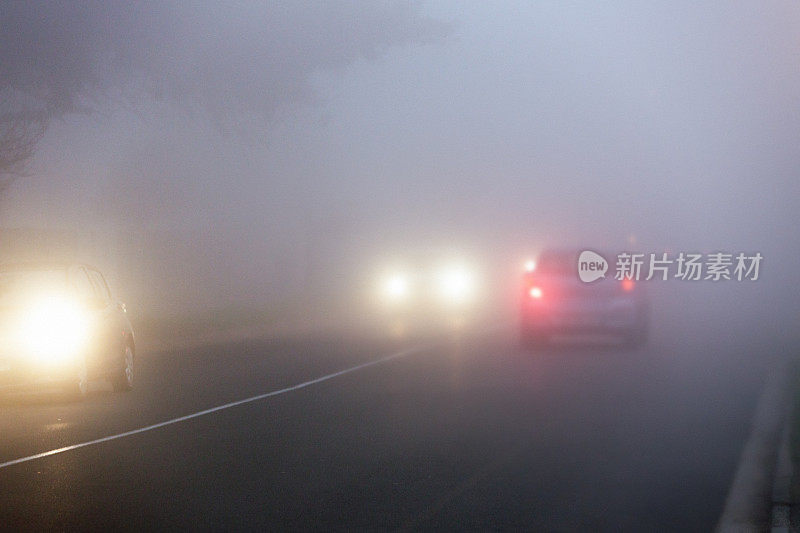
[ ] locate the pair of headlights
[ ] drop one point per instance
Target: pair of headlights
(453, 284)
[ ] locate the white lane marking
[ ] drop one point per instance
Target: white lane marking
(302, 385)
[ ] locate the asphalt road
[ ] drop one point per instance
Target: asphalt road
(469, 432)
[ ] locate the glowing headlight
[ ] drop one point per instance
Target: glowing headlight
(396, 287)
(54, 328)
(456, 284)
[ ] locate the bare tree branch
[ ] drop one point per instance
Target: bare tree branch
(19, 135)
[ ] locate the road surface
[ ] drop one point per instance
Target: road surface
(462, 431)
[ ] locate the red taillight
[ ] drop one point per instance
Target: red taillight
(627, 285)
(535, 292)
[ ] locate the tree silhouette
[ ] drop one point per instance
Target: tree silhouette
(19, 134)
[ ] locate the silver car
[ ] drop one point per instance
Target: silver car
(59, 324)
(555, 301)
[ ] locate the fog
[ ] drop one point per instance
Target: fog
(251, 155)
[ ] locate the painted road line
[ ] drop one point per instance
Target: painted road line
(396, 355)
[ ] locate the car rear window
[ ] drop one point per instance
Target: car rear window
(557, 263)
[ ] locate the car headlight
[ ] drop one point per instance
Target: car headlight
(456, 284)
(54, 328)
(396, 287)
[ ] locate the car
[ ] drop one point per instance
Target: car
(554, 301)
(60, 325)
(448, 286)
(426, 291)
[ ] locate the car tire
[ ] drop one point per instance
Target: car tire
(122, 381)
(79, 386)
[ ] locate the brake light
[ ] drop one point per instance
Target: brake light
(535, 292)
(627, 285)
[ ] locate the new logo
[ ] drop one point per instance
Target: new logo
(591, 266)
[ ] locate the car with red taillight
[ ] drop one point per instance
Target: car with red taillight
(555, 302)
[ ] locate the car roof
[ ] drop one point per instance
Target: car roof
(563, 260)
